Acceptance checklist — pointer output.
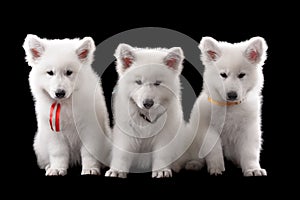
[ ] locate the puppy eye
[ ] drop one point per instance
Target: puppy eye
(223, 75)
(69, 73)
(157, 83)
(139, 82)
(51, 73)
(241, 75)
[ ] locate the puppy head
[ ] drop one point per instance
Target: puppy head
(149, 78)
(56, 64)
(232, 70)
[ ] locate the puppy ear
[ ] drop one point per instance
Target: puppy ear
(85, 52)
(34, 49)
(174, 59)
(125, 57)
(209, 49)
(256, 50)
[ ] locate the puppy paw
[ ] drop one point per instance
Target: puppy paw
(215, 167)
(55, 172)
(164, 173)
(255, 172)
(90, 171)
(115, 173)
(194, 165)
(215, 171)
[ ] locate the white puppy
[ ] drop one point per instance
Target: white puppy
(70, 107)
(147, 110)
(227, 115)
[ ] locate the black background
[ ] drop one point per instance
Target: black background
(232, 24)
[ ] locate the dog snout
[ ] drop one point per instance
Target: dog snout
(60, 93)
(232, 95)
(148, 103)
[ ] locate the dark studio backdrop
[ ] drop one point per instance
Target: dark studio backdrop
(225, 28)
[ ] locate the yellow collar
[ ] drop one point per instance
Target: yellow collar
(226, 103)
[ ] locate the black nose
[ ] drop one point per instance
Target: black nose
(232, 95)
(60, 93)
(148, 103)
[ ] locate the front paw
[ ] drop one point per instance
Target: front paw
(90, 171)
(115, 173)
(215, 166)
(55, 172)
(216, 169)
(164, 173)
(255, 172)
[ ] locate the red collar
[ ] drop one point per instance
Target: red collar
(57, 116)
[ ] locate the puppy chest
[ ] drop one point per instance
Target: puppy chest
(234, 125)
(142, 145)
(66, 118)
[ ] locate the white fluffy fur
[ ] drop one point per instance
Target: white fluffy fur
(138, 144)
(83, 101)
(234, 131)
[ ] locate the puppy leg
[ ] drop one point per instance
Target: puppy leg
(248, 149)
(120, 164)
(58, 156)
(122, 155)
(90, 165)
(161, 165)
(211, 150)
(160, 168)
